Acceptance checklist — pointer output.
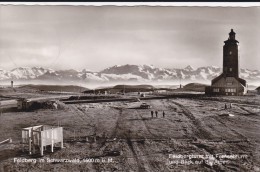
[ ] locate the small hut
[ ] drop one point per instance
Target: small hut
(41, 136)
(21, 104)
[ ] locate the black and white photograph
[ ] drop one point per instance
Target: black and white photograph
(129, 88)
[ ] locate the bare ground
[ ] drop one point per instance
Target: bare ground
(190, 127)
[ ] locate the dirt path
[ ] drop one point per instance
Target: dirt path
(145, 143)
(198, 129)
(119, 120)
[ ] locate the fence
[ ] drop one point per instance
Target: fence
(41, 136)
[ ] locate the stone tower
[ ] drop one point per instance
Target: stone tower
(229, 83)
(230, 56)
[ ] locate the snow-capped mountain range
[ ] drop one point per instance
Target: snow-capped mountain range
(133, 73)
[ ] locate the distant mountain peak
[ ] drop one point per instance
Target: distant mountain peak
(189, 67)
(87, 70)
(149, 65)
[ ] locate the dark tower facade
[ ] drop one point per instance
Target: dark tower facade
(229, 83)
(230, 56)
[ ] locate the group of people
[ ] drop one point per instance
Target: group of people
(230, 106)
(156, 114)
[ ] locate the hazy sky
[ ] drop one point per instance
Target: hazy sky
(64, 37)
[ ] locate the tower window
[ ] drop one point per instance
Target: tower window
(229, 83)
(216, 90)
(230, 52)
(230, 90)
(230, 69)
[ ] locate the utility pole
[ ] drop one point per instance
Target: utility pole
(180, 82)
(0, 109)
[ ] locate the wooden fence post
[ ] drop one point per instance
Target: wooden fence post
(41, 143)
(61, 137)
(30, 142)
(33, 141)
(51, 139)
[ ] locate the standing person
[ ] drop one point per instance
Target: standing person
(152, 114)
(163, 114)
(225, 106)
(156, 113)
